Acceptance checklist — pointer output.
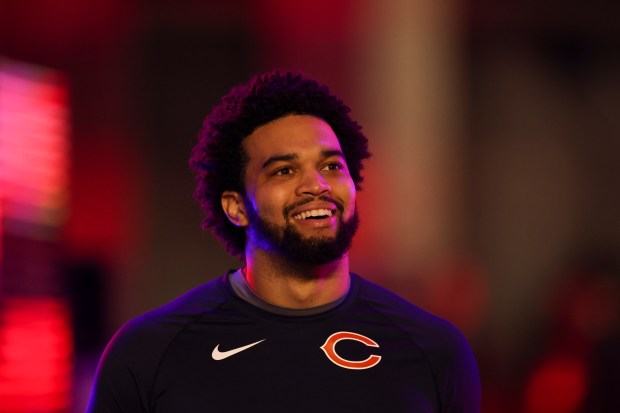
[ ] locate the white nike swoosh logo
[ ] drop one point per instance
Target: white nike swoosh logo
(221, 355)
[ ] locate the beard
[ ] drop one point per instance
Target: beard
(306, 251)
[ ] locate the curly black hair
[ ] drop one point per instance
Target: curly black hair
(219, 160)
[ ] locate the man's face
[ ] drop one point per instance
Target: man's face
(300, 197)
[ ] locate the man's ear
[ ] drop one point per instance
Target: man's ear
(234, 208)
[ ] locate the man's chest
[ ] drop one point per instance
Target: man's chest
(345, 366)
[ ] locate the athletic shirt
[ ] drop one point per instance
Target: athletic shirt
(212, 351)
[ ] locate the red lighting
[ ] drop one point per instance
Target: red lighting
(35, 355)
(34, 141)
(558, 386)
(36, 341)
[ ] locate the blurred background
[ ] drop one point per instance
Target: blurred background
(491, 199)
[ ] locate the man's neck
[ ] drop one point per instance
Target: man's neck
(290, 285)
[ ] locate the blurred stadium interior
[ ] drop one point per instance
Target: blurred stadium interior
(491, 198)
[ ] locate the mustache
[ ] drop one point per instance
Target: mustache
(305, 201)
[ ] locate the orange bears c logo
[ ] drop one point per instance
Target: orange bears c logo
(329, 347)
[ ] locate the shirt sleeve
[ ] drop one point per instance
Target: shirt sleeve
(457, 373)
(127, 369)
(127, 372)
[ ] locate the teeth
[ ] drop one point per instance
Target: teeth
(314, 213)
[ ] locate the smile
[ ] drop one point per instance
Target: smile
(313, 214)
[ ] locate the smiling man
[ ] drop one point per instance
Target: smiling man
(278, 163)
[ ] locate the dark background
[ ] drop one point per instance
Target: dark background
(494, 126)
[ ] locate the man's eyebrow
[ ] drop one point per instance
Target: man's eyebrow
(328, 153)
(276, 158)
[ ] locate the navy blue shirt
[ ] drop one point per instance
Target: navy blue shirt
(211, 351)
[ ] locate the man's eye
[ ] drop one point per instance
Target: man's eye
(333, 166)
(284, 171)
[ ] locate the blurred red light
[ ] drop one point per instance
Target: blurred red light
(557, 386)
(35, 355)
(34, 133)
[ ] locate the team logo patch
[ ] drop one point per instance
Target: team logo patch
(329, 347)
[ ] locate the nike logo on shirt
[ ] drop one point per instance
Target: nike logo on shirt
(221, 355)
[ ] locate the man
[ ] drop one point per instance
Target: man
(278, 163)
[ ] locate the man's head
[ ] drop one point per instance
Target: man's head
(233, 129)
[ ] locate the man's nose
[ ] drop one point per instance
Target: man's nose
(313, 183)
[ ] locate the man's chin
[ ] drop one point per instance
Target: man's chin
(317, 236)
(307, 246)
(315, 249)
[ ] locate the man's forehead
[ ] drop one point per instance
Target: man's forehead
(293, 135)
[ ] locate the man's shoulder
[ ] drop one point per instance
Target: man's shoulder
(192, 303)
(429, 332)
(129, 365)
(443, 345)
(393, 305)
(152, 331)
